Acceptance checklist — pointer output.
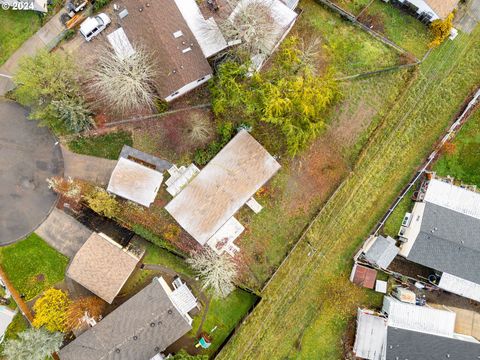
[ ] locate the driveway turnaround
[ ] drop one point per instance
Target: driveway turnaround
(28, 156)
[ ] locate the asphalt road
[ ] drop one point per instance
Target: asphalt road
(28, 156)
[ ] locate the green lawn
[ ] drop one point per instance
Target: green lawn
(106, 146)
(400, 27)
(305, 308)
(464, 163)
(32, 265)
(15, 28)
(224, 314)
(393, 223)
(347, 49)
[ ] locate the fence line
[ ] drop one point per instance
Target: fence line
(454, 128)
(350, 17)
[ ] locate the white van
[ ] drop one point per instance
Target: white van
(94, 26)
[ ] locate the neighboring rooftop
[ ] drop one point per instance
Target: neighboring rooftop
(411, 332)
(222, 187)
(135, 182)
(160, 27)
(443, 8)
(102, 266)
(414, 345)
(140, 328)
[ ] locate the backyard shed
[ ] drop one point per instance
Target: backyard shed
(381, 251)
(222, 187)
(371, 333)
(363, 276)
(102, 266)
(135, 182)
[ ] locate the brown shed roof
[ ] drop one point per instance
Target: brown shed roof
(154, 27)
(102, 266)
(442, 8)
(222, 187)
(364, 276)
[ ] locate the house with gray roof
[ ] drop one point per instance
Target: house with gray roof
(443, 233)
(142, 327)
(406, 331)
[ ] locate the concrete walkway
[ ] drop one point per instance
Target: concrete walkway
(63, 233)
(45, 38)
(470, 17)
(89, 168)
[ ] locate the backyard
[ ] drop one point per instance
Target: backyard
(32, 265)
(462, 160)
(300, 314)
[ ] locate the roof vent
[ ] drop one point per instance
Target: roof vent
(117, 351)
(159, 323)
(170, 312)
(140, 9)
(147, 4)
(157, 349)
(177, 34)
(152, 324)
(123, 13)
(135, 337)
(186, 50)
(174, 71)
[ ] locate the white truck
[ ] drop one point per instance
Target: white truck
(93, 26)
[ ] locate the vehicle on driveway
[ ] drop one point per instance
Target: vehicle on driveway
(94, 26)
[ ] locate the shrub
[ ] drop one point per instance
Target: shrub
(51, 311)
(199, 129)
(90, 306)
(74, 113)
(99, 4)
(33, 344)
(225, 133)
(441, 30)
(155, 239)
(100, 201)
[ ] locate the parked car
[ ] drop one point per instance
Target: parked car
(94, 26)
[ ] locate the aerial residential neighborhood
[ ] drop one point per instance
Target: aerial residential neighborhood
(246, 179)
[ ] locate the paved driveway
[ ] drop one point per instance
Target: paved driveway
(28, 156)
(469, 17)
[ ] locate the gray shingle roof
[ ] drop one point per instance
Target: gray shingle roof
(382, 252)
(449, 242)
(413, 345)
(138, 329)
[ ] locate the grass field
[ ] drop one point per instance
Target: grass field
(32, 265)
(106, 146)
(398, 26)
(393, 223)
(464, 162)
(304, 310)
(15, 28)
(347, 49)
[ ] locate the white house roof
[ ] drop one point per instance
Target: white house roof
(453, 197)
(183, 298)
(222, 187)
(120, 43)
(371, 335)
(135, 182)
(284, 18)
(459, 286)
(6, 317)
(418, 318)
(206, 31)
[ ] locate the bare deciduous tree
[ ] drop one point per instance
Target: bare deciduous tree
(125, 83)
(252, 23)
(217, 272)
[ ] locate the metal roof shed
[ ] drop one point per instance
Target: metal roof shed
(135, 182)
(371, 335)
(382, 252)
